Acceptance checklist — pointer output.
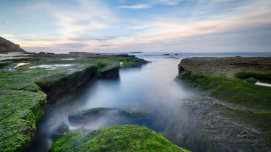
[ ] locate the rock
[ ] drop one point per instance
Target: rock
(59, 131)
(88, 115)
(118, 138)
(7, 46)
(111, 71)
(181, 69)
(24, 90)
(128, 115)
(123, 55)
(251, 80)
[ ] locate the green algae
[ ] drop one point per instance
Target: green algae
(22, 96)
(127, 62)
(232, 90)
(256, 74)
(116, 138)
(61, 79)
(239, 92)
(20, 111)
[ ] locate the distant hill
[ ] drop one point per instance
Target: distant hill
(7, 46)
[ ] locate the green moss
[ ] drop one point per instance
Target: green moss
(20, 110)
(128, 61)
(60, 79)
(117, 138)
(102, 64)
(21, 96)
(232, 90)
(259, 74)
(239, 92)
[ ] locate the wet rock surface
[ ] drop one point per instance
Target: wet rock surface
(60, 131)
(111, 115)
(223, 129)
(240, 119)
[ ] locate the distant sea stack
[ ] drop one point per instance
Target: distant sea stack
(7, 46)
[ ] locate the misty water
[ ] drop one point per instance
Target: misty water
(153, 88)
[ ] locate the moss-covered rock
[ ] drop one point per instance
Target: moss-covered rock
(89, 115)
(225, 78)
(116, 138)
(110, 70)
(128, 61)
(235, 86)
(23, 88)
(232, 90)
(19, 114)
(59, 131)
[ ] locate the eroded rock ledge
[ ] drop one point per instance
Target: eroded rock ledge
(226, 79)
(26, 81)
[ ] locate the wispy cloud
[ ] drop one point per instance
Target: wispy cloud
(91, 25)
(161, 31)
(167, 2)
(89, 17)
(138, 6)
(151, 3)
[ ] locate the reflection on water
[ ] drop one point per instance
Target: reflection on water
(152, 87)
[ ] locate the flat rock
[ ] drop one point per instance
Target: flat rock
(112, 114)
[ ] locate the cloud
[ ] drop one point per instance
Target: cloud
(167, 2)
(91, 25)
(151, 4)
(72, 23)
(161, 31)
(138, 6)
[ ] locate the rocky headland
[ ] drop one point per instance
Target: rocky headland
(7, 46)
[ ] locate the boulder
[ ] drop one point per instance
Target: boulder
(114, 114)
(117, 138)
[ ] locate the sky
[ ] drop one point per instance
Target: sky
(137, 25)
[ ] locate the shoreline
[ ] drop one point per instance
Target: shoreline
(30, 88)
(229, 80)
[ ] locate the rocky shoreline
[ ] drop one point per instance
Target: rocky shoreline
(27, 83)
(31, 81)
(231, 76)
(240, 118)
